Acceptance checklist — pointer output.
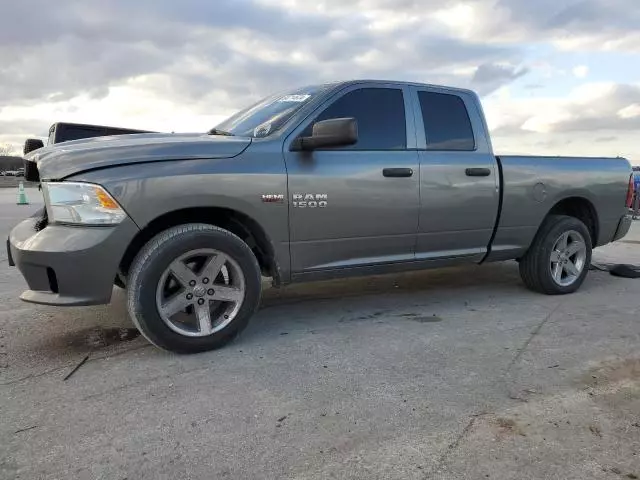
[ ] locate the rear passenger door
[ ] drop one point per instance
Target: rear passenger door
(356, 206)
(459, 179)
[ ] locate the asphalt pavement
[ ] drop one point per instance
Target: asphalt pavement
(458, 373)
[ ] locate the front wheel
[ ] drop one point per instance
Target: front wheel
(558, 260)
(193, 288)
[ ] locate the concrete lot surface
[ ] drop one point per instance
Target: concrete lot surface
(13, 182)
(458, 374)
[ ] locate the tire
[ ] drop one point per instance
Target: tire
(31, 173)
(120, 281)
(32, 144)
(150, 267)
(536, 267)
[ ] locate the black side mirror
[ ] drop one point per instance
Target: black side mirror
(32, 144)
(335, 132)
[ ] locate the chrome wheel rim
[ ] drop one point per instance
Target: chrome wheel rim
(568, 258)
(200, 292)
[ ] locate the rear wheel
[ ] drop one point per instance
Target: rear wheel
(559, 257)
(193, 288)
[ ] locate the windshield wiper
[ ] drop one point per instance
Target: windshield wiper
(215, 131)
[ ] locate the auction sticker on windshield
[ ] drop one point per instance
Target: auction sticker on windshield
(262, 130)
(295, 98)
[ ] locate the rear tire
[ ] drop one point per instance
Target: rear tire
(197, 248)
(552, 265)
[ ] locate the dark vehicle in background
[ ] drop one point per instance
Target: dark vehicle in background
(64, 132)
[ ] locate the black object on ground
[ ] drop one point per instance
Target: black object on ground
(625, 271)
(622, 270)
(25, 429)
(82, 362)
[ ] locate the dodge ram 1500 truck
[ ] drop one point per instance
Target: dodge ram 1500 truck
(326, 181)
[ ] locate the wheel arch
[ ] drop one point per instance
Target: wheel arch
(238, 223)
(581, 208)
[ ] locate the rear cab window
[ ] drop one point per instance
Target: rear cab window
(446, 121)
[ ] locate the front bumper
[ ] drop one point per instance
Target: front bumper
(69, 266)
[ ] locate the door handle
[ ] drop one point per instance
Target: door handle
(397, 172)
(477, 172)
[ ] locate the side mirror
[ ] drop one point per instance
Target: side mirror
(335, 132)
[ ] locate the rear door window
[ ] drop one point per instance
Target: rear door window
(446, 122)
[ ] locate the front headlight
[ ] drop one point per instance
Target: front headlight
(80, 204)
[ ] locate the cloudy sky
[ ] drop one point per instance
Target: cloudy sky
(556, 76)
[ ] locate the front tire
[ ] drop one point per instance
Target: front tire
(558, 260)
(193, 288)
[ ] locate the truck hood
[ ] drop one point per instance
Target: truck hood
(58, 161)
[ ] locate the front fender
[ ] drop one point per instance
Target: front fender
(148, 192)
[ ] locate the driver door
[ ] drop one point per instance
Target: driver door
(356, 206)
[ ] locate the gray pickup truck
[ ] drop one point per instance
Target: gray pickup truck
(326, 181)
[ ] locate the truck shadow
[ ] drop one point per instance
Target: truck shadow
(421, 296)
(426, 297)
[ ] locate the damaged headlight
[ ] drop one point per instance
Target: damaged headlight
(74, 203)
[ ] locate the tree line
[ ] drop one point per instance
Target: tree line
(10, 162)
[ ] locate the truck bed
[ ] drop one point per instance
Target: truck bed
(533, 185)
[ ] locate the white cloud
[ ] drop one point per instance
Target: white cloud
(129, 106)
(631, 111)
(183, 66)
(599, 42)
(459, 16)
(581, 71)
(593, 119)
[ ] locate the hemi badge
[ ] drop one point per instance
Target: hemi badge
(273, 198)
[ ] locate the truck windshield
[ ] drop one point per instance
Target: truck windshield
(269, 114)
